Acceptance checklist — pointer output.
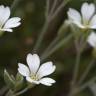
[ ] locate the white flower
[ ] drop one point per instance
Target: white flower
(92, 39)
(6, 23)
(87, 18)
(35, 73)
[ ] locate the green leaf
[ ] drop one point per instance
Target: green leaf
(8, 80)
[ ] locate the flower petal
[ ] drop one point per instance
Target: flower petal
(8, 30)
(74, 15)
(4, 14)
(33, 62)
(12, 22)
(47, 81)
(92, 39)
(93, 22)
(23, 70)
(46, 69)
(31, 80)
(90, 8)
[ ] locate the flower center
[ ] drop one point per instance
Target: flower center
(86, 22)
(34, 77)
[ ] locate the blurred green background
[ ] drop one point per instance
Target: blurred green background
(15, 46)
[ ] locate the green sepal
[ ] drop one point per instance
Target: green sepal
(18, 82)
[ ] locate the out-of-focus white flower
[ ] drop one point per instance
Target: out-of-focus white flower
(6, 23)
(92, 39)
(35, 73)
(87, 18)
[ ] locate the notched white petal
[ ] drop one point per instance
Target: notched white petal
(46, 69)
(33, 62)
(12, 22)
(6, 23)
(90, 8)
(47, 81)
(74, 15)
(4, 14)
(23, 69)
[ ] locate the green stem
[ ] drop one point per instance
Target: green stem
(60, 8)
(47, 8)
(53, 7)
(47, 22)
(9, 93)
(3, 90)
(24, 90)
(56, 47)
(14, 4)
(21, 92)
(40, 38)
(86, 72)
(85, 85)
(50, 46)
(82, 87)
(76, 68)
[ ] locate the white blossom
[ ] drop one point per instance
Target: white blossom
(6, 23)
(87, 18)
(35, 73)
(92, 39)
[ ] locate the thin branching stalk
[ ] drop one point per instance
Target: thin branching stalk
(3, 90)
(82, 87)
(85, 85)
(40, 38)
(75, 74)
(51, 45)
(44, 29)
(63, 4)
(56, 47)
(47, 8)
(21, 92)
(82, 78)
(77, 63)
(53, 7)
(14, 4)
(47, 22)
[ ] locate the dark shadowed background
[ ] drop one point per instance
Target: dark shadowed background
(16, 45)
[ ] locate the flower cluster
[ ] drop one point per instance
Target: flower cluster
(85, 20)
(35, 73)
(6, 23)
